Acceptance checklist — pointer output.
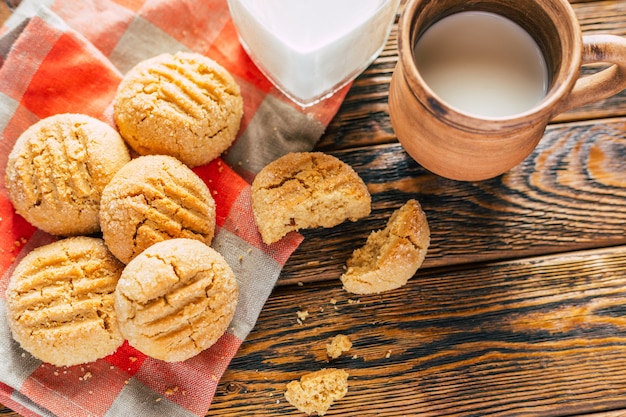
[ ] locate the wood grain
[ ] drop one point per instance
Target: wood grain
(542, 336)
(570, 194)
(519, 307)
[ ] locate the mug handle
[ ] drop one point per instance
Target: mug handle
(603, 84)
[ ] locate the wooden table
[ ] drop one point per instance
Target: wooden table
(520, 306)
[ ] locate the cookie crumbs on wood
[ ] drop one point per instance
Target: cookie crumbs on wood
(317, 391)
(302, 315)
(338, 345)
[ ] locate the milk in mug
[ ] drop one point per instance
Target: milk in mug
(482, 64)
(311, 48)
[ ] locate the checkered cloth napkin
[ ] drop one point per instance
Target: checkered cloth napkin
(62, 56)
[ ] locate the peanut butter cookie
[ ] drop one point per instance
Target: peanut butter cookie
(151, 199)
(176, 299)
(184, 105)
(60, 301)
(58, 168)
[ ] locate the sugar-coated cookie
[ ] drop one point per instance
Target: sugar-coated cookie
(154, 198)
(184, 105)
(315, 392)
(60, 302)
(303, 190)
(391, 256)
(58, 168)
(176, 299)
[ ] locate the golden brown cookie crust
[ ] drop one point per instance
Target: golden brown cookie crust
(176, 299)
(304, 190)
(151, 199)
(391, 256)
(58, 168)
(60, 301)
(184, 105)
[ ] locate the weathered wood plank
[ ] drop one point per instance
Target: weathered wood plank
(541, 336)
(570, 194)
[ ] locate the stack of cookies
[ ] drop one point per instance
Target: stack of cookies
(133, 261)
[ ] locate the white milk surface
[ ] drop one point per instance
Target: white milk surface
(310, 48)
(482, 64)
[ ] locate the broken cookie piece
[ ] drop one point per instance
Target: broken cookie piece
(390, 256)
(315, 392)
(306, 190)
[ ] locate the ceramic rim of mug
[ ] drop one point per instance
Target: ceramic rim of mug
(563, 69)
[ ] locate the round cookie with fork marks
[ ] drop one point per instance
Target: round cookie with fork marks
(60, 302)
(184, 105)
(176, 299)
(151, 199)
(58, 168)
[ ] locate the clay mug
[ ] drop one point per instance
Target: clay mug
(461, 146)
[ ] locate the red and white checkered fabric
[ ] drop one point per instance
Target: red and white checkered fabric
(61, 56)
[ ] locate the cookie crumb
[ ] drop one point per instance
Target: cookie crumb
(338, 345)
(302, 315)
